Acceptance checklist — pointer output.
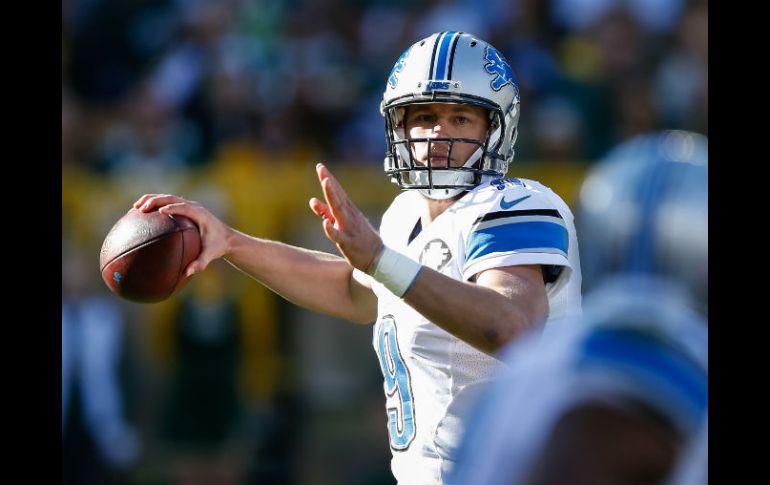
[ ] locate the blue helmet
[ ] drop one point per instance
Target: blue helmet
(644, 210)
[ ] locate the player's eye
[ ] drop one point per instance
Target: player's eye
(462, 120)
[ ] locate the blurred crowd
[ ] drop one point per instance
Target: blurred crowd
(232, 102)
(168, 83)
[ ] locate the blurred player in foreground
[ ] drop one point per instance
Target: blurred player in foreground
(464, 262)
(619, 395)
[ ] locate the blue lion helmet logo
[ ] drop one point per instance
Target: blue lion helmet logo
(498, 66)
(392, 79)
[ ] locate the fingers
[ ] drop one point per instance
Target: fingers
(331, 232)
(179, 208)
(328, 221)
(172, 205)
(143, 199)
(196, 266)
(336, 198)
(322, 171)
(320, 209)
(325, 176)
(210, 250)
(339, 210)
(343, 223)
(213, 232)
(149, 202)
(199, 265)
(333, 203)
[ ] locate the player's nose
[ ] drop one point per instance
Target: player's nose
(440, 127)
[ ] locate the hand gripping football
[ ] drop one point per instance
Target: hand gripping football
(144, 255)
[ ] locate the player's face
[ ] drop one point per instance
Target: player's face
(444, 120)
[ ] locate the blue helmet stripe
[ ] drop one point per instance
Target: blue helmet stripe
(433, 56)
(443, 55)
(452, 54)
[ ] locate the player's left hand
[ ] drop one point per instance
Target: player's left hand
(344, 223)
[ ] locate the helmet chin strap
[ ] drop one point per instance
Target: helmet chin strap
(440, 194)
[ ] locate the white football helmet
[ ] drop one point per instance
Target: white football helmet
(451, 67)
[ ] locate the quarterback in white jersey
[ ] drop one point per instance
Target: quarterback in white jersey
(430, 375)
(465, 262)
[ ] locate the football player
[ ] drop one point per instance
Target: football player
(465, 260)
(620, 394)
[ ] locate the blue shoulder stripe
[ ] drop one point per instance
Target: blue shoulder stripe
(529, 236)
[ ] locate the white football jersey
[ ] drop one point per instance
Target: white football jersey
(431, 376)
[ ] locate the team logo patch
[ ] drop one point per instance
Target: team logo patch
(433, 85)
(435, 255)
(392, 79)
(498, 67)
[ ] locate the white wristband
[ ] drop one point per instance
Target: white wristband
(395, 271)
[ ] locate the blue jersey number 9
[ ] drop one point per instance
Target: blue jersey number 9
(401, 425)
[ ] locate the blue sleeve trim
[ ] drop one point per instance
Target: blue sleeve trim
(522, 236)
